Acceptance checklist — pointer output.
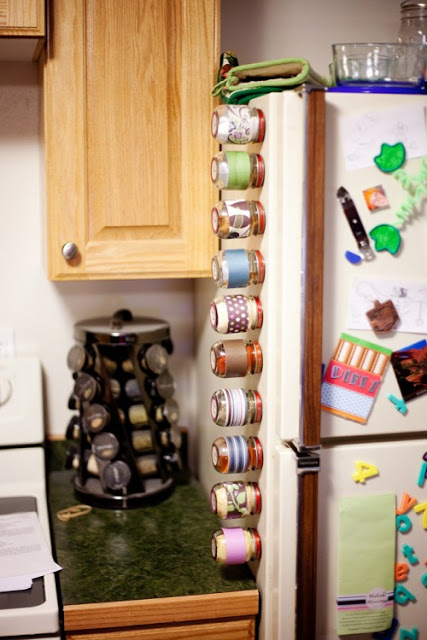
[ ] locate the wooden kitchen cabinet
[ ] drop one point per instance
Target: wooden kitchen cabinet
(127, 108)
(22, 18)
(22, 29)
(220, 616)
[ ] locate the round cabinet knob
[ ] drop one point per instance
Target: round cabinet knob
(69, 250)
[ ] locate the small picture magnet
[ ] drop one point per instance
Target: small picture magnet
(383, 318)
(410, 368)
(375, 198)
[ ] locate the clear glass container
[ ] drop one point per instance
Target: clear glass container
(237, 170)
(413, 23)
(232, 500)
(237, 123)
(238, 219)
(234, 268)
(237, 454)
(380, 64)
(235, 545)
(236, 407)
(236, 314)
(236, 358)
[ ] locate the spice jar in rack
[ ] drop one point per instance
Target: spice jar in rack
(115, 364)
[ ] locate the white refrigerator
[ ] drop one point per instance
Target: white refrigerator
(343, 484)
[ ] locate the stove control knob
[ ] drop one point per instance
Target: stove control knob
(5, 390)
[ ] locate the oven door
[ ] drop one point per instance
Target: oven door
(33, 612)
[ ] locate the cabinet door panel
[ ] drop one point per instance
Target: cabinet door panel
(26, 16)
(127, 112)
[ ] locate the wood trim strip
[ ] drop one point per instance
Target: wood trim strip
(314, 267)
(235, 629)
(308, 482)
(161, 610)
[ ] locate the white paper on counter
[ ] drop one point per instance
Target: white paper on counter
(409, 297)
(24, 554)
(363, 134)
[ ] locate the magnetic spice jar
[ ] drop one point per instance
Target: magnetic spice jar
(236, 314)
(238, 219)
(234, 268)
(237, 170)
(236, 407)
(236, 358)
(235, 545)
(238, 123)
(237, 454)
(232, 500)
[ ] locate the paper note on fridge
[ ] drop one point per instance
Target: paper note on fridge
(363, 134)
(408, 296)
(366, 556)
(353, 377)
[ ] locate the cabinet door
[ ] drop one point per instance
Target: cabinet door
(127, 117)
(22, 18)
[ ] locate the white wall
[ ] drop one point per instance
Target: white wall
(273, 29)
(43, 313)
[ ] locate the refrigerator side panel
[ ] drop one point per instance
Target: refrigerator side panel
(350, 290)
(399, 465)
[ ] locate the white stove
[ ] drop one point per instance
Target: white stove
(32, 613)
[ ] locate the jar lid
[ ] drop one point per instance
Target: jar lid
(410, 4)
(121, 329)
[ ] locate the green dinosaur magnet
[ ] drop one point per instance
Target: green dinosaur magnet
(392, 157)
(386, 237)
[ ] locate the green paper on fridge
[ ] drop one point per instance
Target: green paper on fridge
(366, 556)
(353, 377)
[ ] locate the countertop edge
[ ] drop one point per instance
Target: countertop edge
(151, 611)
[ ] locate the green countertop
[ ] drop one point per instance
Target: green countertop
(150, 552)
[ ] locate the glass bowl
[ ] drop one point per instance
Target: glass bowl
(379, 63)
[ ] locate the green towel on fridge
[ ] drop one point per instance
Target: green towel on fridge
(245, 82)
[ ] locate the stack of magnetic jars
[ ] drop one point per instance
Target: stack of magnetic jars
(125, 426)
(237, 313)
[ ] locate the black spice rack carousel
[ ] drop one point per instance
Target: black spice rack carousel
(125, 429)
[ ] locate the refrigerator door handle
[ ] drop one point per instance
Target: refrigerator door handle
(307, 458)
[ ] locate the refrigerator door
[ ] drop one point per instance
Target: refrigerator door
(401, 469)
(277, 572)
(356, 127)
